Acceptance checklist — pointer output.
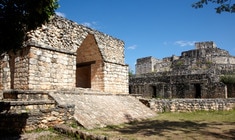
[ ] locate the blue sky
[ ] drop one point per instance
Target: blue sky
(158, 28)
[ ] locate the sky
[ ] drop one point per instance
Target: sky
(158, 28)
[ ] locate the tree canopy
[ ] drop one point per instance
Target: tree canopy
(19, 16)
(222, 5)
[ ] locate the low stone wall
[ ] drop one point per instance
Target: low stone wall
(188, 105)
(29, 110)
(26, 117)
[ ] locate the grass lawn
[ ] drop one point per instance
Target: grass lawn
(191, 125)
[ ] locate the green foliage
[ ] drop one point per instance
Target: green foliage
(179, 63)
(131, 72)
(228, 79)
(209, 62)
(223, 5)
(20, 16)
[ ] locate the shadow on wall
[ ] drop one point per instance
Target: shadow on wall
(12, 124)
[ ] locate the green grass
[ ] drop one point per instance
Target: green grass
(187, 125)
(209, 116)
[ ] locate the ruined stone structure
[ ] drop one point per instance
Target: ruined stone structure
(63, 55)
(66, 72)
(194, 74)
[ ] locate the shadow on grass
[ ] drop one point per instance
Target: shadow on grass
(165, 128)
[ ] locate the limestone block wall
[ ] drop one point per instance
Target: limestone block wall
(97, 77)
(27, 117)
(202, 45)
(165, 85)
(111, 49)
(49, 69)
(145, 65)
(188, 105)
(19, 65)
(116, 78)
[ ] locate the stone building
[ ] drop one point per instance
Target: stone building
(64, 55)
(194, 74)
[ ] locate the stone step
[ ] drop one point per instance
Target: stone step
(20, 103)
(25, 106)
(82, 91)
(25, 95)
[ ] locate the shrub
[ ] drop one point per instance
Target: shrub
(228, 79)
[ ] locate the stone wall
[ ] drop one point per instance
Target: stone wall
(145, 65)
(115, 78)
(51, 70)
(164, 85)
(202, 45)
(188, 105)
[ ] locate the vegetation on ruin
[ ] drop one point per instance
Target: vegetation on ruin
(131, 72)
(20, 16)
(220, 5)
(179, 63)
(228, 79)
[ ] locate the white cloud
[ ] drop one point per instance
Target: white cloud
(183, 43)
(92, 24)
(133, 47)
(60, 14)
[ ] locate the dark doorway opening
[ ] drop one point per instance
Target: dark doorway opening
(83, 74)
(130, 91)
(197, 90)
(154, 91)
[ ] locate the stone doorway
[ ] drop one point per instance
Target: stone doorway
(154, 91)
(89, 65)
(83, 74)
(197, 88)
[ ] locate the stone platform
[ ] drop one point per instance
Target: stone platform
(93, 110)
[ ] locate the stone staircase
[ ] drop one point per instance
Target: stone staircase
(22, 101)
(95, 109)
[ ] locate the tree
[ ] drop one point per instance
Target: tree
(20, 16)
(222, 5)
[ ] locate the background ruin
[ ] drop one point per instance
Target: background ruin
(194, 74)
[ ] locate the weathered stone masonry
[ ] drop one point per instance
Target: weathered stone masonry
(189, 105)
(63, 55)
(194, 74)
